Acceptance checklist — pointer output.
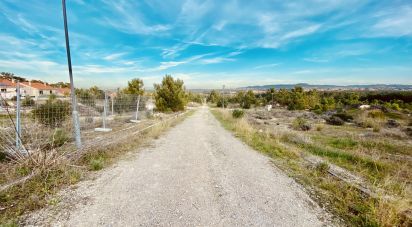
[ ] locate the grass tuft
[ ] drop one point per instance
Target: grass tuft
(343, 143)
(96, 164)
(322, 167)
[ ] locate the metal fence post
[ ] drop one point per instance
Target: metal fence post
(137, 108)
(104, 115)
(104, 109)
(18, 125)
(112, 100)
(223, 97)
(76, 123)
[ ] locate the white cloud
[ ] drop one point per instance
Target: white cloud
(169, 64)
(301, 32)
(267, 66)
(216, 60)
(114, 56)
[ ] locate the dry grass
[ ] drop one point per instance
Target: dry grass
(374, 119)
(345, 147)
(54, 170)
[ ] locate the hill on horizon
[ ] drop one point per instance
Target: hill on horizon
(334, 87)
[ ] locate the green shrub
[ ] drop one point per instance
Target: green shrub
(344, 116)
(376, 114)
(334, 120)
(238, 113)
(318, 111)
(3, 156)
(219, 103)
(194, 97)
(52, 114)
(97, 164)
(322, 167)
(248, 100)
(59, 138)
(27, 101)
(301, 124)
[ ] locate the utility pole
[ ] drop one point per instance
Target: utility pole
(75, 114)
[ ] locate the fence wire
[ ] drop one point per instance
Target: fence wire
(46, 123)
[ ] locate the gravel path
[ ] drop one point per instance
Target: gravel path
(197, 174)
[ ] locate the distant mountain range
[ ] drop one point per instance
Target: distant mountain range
(333, 87)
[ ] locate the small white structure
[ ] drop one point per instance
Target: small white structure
(268, 107)
(149, 106)
(364, 107)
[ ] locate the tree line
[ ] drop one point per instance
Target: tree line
(317, 101)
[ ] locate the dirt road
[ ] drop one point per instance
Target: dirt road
(197, 174)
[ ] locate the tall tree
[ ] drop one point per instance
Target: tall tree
(135, 87)
(213, 97)
(96, 92)
(170, 95)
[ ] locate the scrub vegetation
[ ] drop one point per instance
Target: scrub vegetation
(352, 151)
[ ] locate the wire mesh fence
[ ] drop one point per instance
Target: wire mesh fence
(46, 123)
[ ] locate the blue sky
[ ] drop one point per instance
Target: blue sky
(210, 43)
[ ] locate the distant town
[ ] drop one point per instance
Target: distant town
(305, 86)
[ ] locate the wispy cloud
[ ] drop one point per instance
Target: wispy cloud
(216, 60)
(169, 64)
(301, 32)
(394, 22)
(316, 59)
(127, 18)
(267, 66)
(335, 52)
(114, 56)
